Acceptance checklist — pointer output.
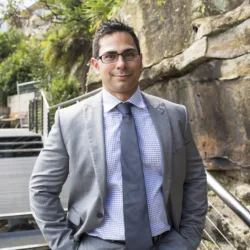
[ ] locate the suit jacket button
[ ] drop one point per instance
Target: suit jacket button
(99, 215)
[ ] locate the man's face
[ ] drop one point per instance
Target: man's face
(120, 78)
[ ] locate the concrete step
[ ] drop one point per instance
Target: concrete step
(20, 143)
(19, 138)
(20, 150)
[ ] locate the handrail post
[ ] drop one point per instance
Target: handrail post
(33, 114)
(29, 115)
(45, 116)
(36, 105)
(49, 122)
(42, 116)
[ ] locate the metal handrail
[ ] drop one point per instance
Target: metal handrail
(46, 109)
(74, 100)
(44, 99)
(27, 83)
(229, 199)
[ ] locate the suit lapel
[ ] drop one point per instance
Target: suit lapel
(93, 120)
(160, 118)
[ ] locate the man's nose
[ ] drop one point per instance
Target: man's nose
(120, 63)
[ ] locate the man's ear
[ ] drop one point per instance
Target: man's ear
(95, 65)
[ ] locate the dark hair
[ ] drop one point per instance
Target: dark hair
(110, 27)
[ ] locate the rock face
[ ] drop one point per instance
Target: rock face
(163, 27)
(243, 192)
(197, 53)
(217, 94)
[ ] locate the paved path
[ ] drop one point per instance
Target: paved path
(14, 181)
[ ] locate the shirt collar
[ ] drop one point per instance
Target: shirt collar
(110, 101)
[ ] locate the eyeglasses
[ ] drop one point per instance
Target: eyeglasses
(112, 57)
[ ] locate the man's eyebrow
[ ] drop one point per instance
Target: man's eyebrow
(133, 49)
(113, 51)
(110, 52)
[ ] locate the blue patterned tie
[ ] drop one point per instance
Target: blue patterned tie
(135, 209)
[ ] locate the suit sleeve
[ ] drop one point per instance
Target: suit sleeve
(49, 174)
(194, 207)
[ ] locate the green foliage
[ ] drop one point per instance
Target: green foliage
(68, 44)
(77, 22)
(99, 10)
(9, 42)
(12, 13)
(60, 60)
(22, 64)
(160, 3)
(201, 8)
(158, 10)
(66, 48)
(62, 89)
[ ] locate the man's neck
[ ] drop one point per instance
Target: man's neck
(122, 96)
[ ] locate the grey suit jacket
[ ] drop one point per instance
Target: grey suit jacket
(75, 149)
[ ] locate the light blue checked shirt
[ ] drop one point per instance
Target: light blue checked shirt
(151, 155)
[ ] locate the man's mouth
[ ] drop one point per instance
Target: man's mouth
(121, 75)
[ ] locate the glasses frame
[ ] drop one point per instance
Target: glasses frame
(118, 54)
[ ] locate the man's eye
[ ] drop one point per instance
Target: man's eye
(110, 56)
(130, 54)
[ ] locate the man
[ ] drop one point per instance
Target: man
(136, 178)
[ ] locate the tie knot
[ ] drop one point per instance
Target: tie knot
(124, 108)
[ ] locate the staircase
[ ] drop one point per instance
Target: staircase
(19, 143)
(19, 149)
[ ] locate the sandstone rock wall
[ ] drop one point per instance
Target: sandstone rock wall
(197, 53)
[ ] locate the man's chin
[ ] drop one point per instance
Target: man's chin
(126, 89)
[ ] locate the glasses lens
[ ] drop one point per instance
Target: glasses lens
(109, 57)
(130, 55)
